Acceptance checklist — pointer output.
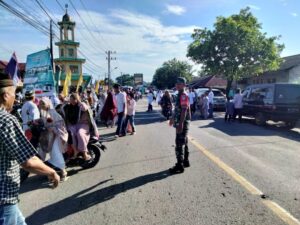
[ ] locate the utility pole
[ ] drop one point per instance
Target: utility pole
(51, 46)
(121, 78)
(57, 78)
(109, 58)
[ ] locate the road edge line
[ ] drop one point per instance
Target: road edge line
(273, 206)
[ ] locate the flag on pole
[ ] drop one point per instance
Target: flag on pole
(97, 86)
(65, 91)
(12, 69)
(80, 81)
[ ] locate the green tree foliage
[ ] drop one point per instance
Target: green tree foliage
(235, 48)
(125, 80)
(106, 81)
(167, 74)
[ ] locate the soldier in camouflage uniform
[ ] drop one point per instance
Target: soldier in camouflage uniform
(181, 121)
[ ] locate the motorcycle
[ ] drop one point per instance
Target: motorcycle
(167, 111)
(94, 148)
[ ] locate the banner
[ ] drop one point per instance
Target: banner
(68, 78)
(39, 74)
(97, 87)
(80, 81)
(138, 79)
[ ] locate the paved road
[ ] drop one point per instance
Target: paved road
(240, 174)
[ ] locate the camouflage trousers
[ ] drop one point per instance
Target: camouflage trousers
(181, 148)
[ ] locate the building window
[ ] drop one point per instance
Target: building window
(62, 53)
(74, 69)
(71, 52)
(274, 80)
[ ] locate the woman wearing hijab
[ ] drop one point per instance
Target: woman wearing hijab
(79, 120)
(109, 110)
(54, 139)
(166, 105)
(100, 104)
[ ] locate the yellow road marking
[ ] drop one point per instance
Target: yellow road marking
(240, 179)
(281, 212)
(278, 210)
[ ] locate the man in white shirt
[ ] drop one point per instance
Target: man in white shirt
(150, 98)
(30, 111)
(121, 105)
(238, 104)
(211, 103)
(192, 98)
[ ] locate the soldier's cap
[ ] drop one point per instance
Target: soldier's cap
(116, 85)
(181, 80)
(29, 94)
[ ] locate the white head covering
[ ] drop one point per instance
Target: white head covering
(48, 102)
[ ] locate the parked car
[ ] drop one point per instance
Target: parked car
(276, 102)
(219, 97)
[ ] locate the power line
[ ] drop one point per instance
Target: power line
(89, 59)
(90, 46)
(45, 11)
(98, 31)
(37, 25)
(33, 12)
(84, 24)
(60, 5)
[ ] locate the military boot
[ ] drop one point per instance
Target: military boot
(178, 168)
(186, 162)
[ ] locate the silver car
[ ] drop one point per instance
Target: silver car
(219, 97)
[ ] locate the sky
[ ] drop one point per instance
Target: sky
(143, 33)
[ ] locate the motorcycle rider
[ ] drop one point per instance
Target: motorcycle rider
(30, 113)
(79, 120)
(166, 105)
(54, 138)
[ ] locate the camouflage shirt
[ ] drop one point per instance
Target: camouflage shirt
(181, 101)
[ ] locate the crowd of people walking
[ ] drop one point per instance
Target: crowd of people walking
(76, 117)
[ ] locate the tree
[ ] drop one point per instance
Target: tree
(202, 73)
(166, 75)
(125, 80)
(106, 81)
(236, 48)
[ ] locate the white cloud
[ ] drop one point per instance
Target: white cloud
(175, 9)
(255, 7)
(142, 42)
(294, 14)
(284, 2)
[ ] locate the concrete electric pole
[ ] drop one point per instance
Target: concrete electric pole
(109, 58)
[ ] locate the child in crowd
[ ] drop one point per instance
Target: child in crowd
(131, 105)
(229, 110)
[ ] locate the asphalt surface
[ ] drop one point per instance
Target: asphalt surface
(132, 185)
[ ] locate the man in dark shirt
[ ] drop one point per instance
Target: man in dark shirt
(181, 121)
(15, 150)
